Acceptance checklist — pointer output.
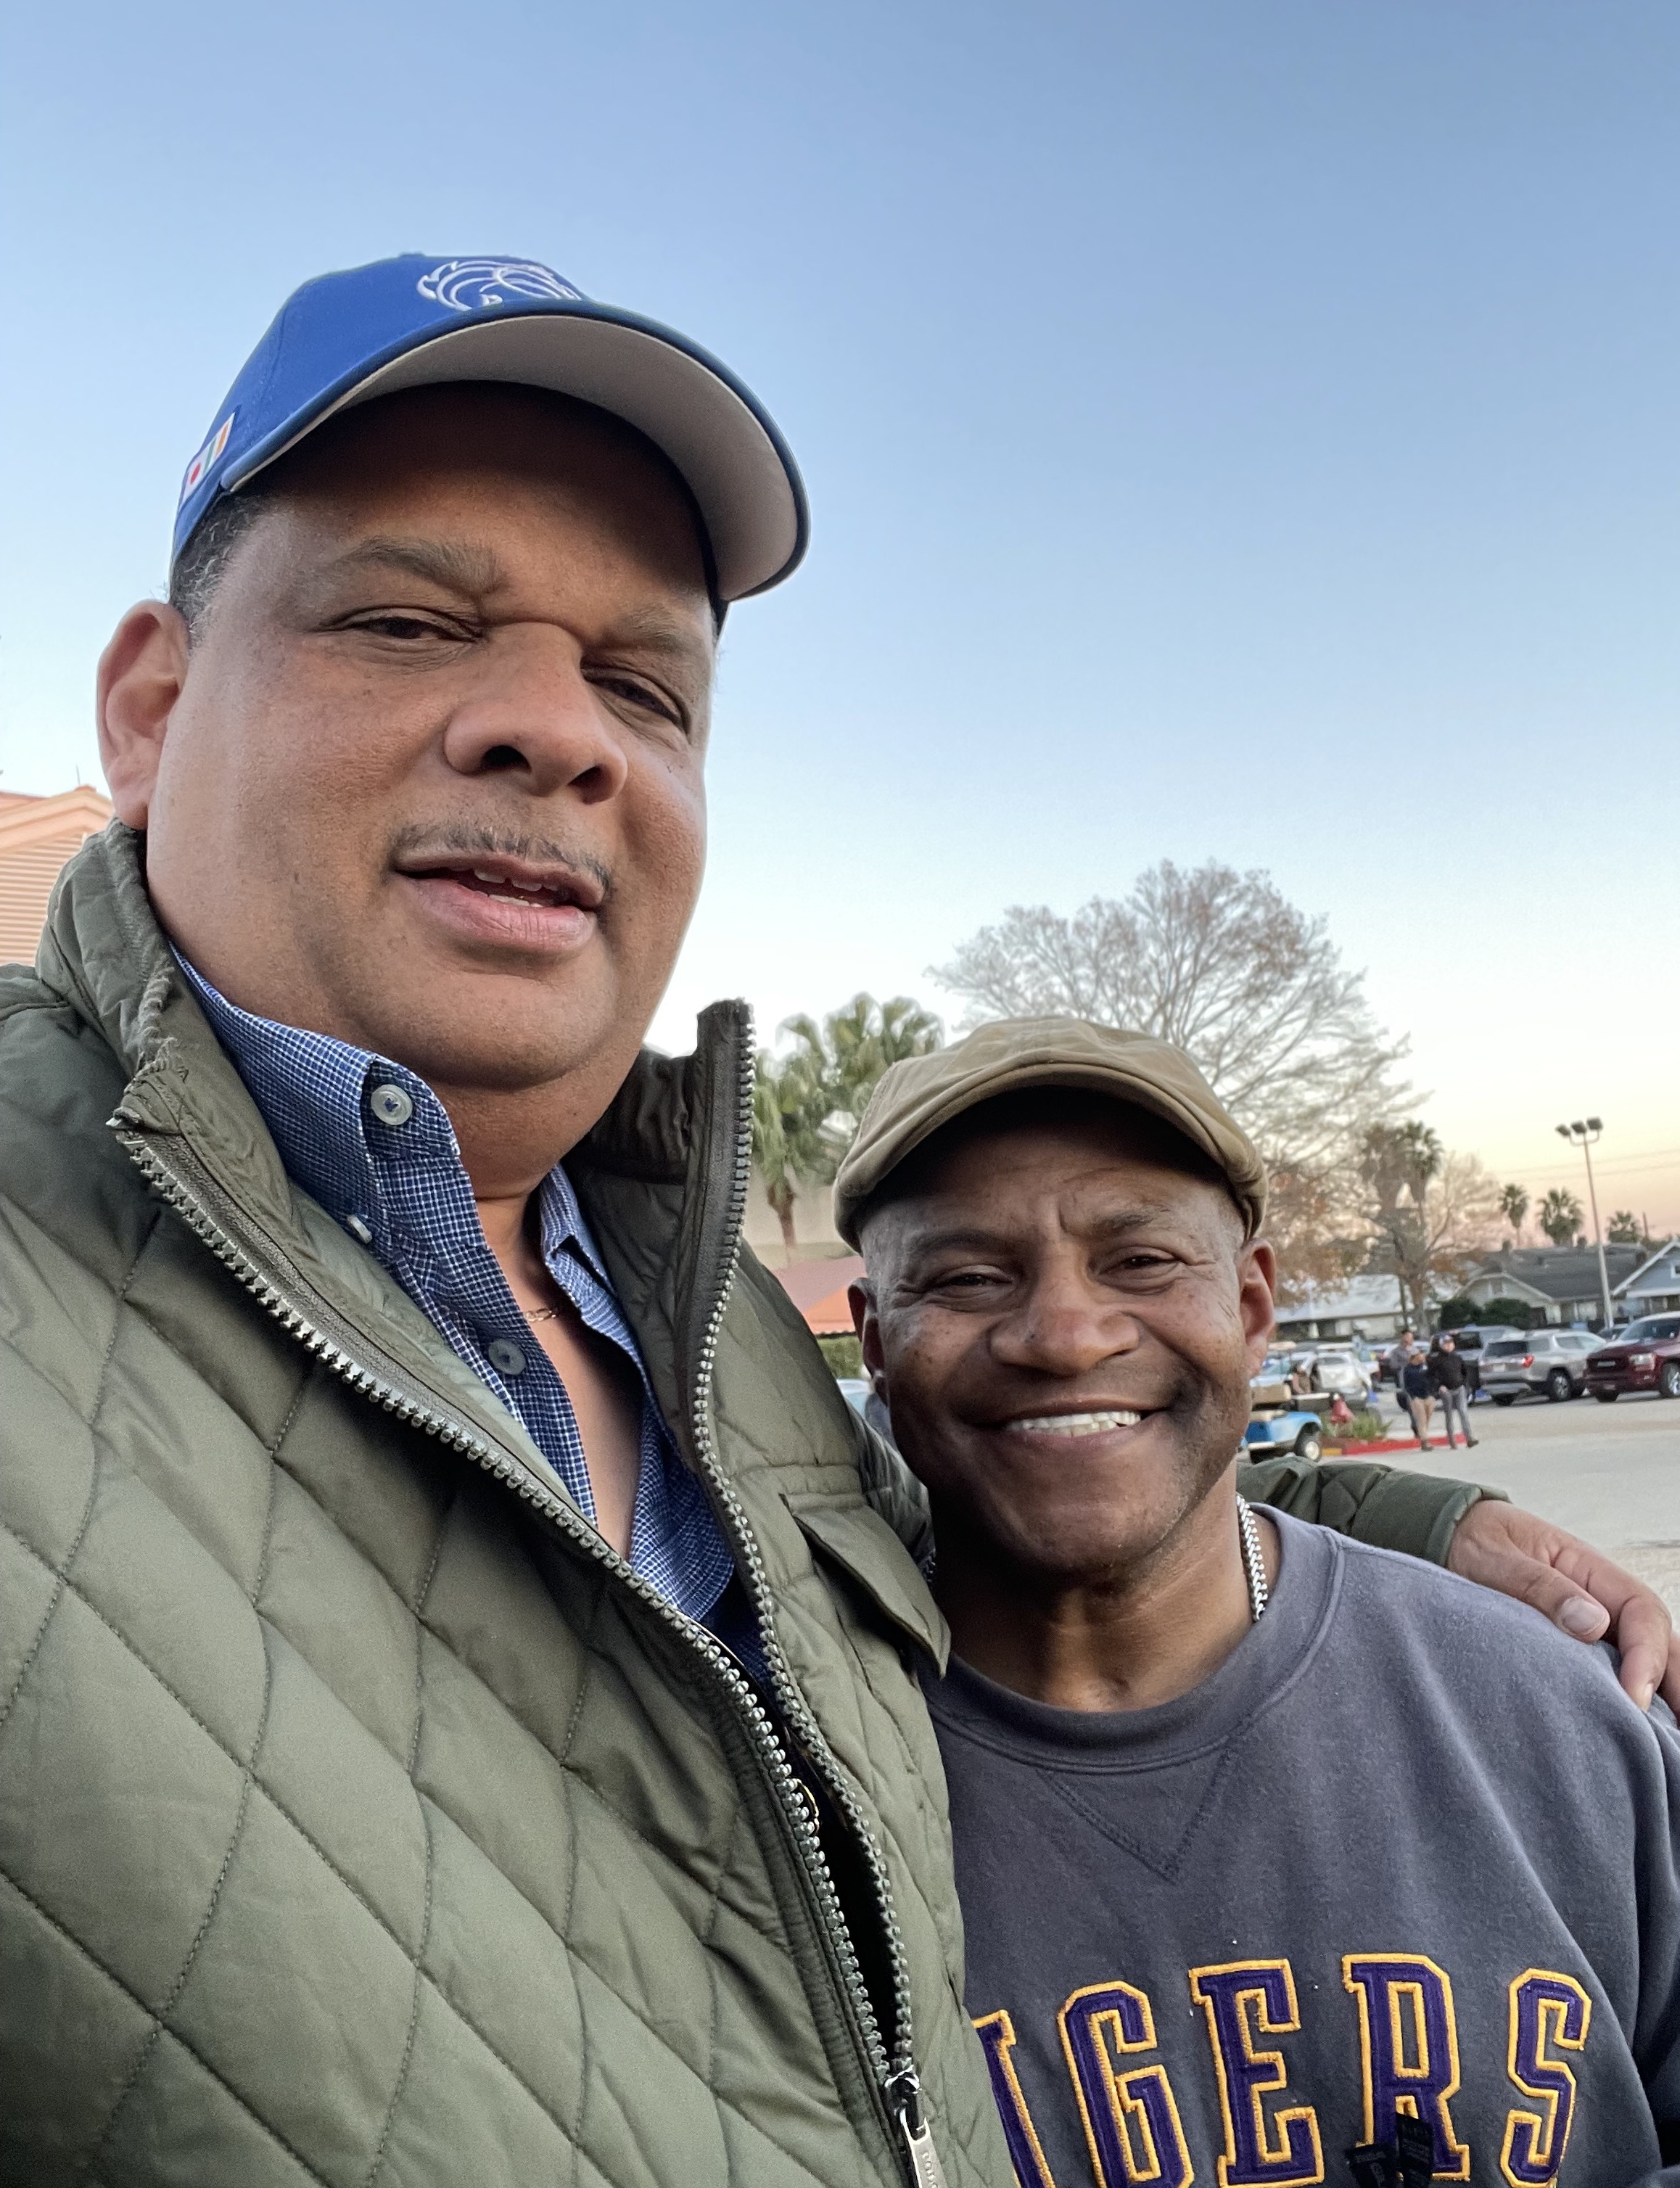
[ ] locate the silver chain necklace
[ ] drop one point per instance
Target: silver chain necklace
(1253, 1563)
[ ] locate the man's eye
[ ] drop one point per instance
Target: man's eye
(967, 1280)
(643, 697)
(403, 628)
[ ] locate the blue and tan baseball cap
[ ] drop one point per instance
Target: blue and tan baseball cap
(420, 322)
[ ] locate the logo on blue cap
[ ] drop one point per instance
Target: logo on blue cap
(474, 284)
(208, 455)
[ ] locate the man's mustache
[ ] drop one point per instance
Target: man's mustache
(417, 843)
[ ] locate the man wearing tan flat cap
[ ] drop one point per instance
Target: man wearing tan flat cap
(1282, 1858)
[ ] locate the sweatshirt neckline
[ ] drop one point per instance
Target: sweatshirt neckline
(1264, 1662)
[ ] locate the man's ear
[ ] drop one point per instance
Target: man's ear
(860, 1297)
(1257, 1297)
(141, 674)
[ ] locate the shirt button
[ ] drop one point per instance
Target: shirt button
(359, 1229)
(391, 1105)
(505, 1356)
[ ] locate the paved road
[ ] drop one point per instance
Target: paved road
(1610, 1472)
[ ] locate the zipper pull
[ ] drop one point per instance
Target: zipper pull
(904, 2100)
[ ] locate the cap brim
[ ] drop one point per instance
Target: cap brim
(740, 472)
(858, 1181)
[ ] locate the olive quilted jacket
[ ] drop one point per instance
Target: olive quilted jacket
(364, 1820)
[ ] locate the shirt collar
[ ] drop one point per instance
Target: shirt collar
(312, 1091)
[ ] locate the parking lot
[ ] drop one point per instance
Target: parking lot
(1610, 1472)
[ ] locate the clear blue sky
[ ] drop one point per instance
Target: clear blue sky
(1232, 430)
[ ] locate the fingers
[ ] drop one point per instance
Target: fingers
(1643, 1632)
(1583, 1594)
(1641, 1625)
(1557, 1596)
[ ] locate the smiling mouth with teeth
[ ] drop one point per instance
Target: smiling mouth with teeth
(1075, 1424)
(544, 891)
(504, 885)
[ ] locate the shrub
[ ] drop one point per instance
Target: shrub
(844, 1355)
(1516, 1313)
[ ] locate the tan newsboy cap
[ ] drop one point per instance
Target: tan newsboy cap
(915, 1098)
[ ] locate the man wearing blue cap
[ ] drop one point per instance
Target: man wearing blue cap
(455, 1724)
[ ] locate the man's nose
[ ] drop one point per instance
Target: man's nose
(1066, 1326)
(534, 713)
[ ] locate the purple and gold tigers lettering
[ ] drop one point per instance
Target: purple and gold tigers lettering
(1408, 2049)
(996, 2033)
(1131, 2123)
(1550, 2013)
(1245, 2000)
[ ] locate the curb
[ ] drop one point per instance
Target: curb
(1359, 1449)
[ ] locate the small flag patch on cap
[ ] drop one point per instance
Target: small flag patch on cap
(208, 454)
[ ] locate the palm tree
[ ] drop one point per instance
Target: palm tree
(857, 1043)
(789, 1106)
(807, 1106)
(1513, 1207)
(1559, 1216)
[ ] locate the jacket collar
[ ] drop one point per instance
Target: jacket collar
(651, 1176)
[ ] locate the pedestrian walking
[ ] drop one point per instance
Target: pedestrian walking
(1399, 1354)
(1450, 1373)
(1420, 1397)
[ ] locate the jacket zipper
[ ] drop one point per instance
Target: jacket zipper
(893, 2069)
(196, 1197)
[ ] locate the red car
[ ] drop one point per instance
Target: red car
(1646, 1357)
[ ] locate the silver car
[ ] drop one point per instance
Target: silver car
(1546, 1363)
(1343, 1373)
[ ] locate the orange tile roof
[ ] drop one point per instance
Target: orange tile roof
(37, 836)
(819, 1289)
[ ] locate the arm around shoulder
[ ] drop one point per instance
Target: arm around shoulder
(1394, 1510)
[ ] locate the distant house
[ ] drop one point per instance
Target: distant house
(1557, 1284)
(1653, 1287)
(820, 1290)
(38, 837)
(1362, 1307)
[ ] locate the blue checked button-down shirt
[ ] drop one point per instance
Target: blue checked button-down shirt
(374, 1146)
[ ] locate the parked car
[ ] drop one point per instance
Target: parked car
(1645, 1356)
(1343, 1372)
(1477, 1336)
(1546, 1363)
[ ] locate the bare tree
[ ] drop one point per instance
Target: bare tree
(1433, 1214)
(1222, 964)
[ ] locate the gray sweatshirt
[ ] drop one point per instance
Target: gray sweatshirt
(1408, 1848)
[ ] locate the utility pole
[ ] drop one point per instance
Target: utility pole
(1582, 1133)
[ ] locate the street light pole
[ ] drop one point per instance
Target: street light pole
(1582, 1134)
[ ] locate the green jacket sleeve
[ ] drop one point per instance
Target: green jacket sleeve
(1415, 1513)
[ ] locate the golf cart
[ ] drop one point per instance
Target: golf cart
(1279, 1422)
